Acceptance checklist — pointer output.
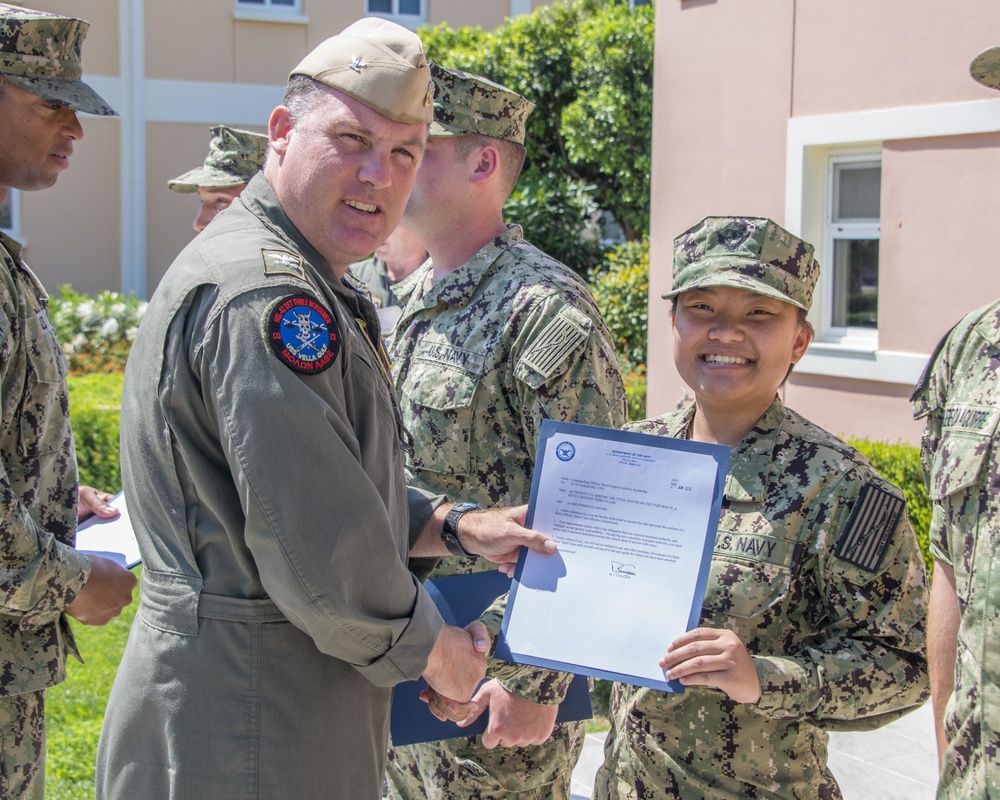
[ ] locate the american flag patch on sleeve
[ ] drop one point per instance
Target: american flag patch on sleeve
(559, 338)
(870, 527)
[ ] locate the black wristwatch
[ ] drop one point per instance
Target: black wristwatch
(449, 530)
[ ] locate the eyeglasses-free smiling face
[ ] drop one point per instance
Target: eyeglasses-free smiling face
(733, 347)
(343, 174)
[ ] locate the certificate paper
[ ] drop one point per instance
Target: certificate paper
(111, 538)
(635, 517)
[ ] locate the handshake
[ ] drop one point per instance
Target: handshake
(457, 663)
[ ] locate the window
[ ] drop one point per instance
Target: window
(850, 296)
(287, 5)
(405, 12)
(10, 214)
(270, 11)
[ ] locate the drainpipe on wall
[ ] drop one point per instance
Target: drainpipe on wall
(132, 68)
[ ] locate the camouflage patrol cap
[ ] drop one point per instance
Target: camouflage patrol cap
(752, 253)
(41, 53)
(234, 157)
(465, 103)
(378, 63)
(985, 68)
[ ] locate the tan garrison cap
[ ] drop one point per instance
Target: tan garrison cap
(465, 103)
(378, 63)
(40, 53)
(234, 157)
(752, 253)
(985, 68)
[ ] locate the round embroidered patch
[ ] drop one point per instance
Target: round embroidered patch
(303, 333)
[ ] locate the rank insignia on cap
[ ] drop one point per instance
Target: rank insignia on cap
(358, 64)
(872, 522)
(282, 262)
(303, 333)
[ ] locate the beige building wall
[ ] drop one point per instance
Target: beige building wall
(752, 99)
(110, 222)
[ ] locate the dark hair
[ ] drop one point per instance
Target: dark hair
(511, 156)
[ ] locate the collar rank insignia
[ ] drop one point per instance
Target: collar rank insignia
(358, 64)
(303, 333)
(282, 262)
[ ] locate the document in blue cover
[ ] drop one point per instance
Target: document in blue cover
(635, 518)
(461, 599)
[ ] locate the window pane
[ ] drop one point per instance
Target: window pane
(857, 191)
(411, 7)
(286, 3)
(6, 218)
(855, 283)
(379, 6)
(250, 2)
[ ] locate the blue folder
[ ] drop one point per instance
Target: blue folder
(461, 599)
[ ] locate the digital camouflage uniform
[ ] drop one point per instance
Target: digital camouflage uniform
(837, 635)
(234, 157)
(40, 571)
(959, 399)
(480, 359)
(815, 568)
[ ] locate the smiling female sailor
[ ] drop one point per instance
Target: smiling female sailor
(814, 614)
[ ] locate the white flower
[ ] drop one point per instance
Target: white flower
(130, 334)
(78, 341)
(85, 309)
(109, 328)
(117, 309)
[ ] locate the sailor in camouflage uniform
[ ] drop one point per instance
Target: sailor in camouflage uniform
(41, 574)
(959, 397)
(495, 336)
(813, 619)
(234, 157)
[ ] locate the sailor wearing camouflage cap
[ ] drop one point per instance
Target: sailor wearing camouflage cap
(814, 611)
(234, 157)
(263, 456)
(958, 398)
(495, 337)
(44, 577)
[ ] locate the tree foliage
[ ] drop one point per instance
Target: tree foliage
(588, 67)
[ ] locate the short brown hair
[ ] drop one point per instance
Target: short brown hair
(512, 156)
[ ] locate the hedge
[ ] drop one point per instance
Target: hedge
(95, 402)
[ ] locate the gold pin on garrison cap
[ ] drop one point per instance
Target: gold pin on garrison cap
(234, 157)
(378, 63)
(753, 253)
(41, 53)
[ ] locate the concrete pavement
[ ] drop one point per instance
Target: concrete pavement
(897, 762)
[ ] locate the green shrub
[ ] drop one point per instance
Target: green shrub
(95, 402)
(621, 289)
(95, 332)
(900, 464)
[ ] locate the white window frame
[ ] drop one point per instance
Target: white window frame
(859, 338)
(14, 231)
(268, 11)
(808, 143)
(407, 20)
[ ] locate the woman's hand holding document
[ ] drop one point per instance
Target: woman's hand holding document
(634, 517)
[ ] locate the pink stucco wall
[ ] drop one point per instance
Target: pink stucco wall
(729, 76)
